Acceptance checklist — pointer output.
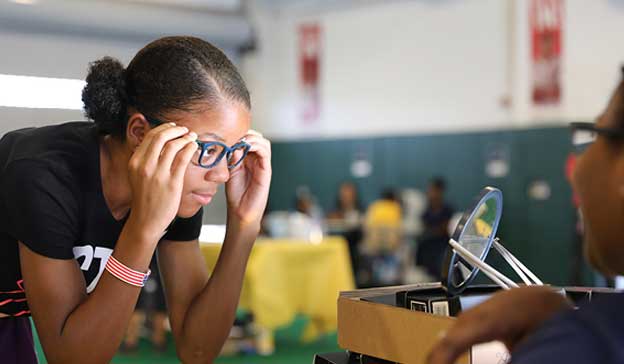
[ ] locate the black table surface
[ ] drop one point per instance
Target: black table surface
(341, 357)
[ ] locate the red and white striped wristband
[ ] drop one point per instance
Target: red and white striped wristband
(125, 274)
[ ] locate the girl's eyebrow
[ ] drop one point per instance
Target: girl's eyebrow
(216, 136)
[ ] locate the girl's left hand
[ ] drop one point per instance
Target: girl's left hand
(247, 190)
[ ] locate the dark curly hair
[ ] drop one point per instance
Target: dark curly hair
(169, 74)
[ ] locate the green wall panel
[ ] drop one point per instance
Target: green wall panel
(539, 232)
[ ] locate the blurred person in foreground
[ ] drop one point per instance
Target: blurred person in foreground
(536, 324)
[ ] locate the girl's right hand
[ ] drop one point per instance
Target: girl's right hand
(156, 172)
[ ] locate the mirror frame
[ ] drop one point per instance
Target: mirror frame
(451, 257)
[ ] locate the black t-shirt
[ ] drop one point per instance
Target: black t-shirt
(51, 200)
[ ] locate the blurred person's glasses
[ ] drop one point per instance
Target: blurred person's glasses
(585, 134)
(210, 153)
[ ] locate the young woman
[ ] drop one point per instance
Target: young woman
(86, 205)
(538, 325)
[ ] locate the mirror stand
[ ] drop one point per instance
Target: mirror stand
(525, 274)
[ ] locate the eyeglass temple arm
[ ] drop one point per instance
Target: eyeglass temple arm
(517, 266)
(487, 269)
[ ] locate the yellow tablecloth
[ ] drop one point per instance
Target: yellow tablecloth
(288, 277)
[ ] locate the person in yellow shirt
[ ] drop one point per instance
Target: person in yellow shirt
(382, 239)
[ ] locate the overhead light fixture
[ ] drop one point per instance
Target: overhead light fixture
(40, 92)
(24, 2)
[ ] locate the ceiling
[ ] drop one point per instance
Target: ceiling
(204, 5)
(221, 21)
(224, 22)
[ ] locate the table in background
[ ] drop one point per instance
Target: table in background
(286, 277)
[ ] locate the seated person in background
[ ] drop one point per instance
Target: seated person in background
(537, 324)
(383, 233)
(348, 212)
(346, 219)
(383, 222)
(434, 240)
(304, 223)
(305, 203)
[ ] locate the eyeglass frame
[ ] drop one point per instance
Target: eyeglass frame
(227, 151)
(611, 133)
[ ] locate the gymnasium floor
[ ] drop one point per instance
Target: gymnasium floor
(288, 350)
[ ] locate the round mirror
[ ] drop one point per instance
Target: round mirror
(475, 231)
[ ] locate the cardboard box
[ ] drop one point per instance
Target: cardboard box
(370, 323)
(389, 332)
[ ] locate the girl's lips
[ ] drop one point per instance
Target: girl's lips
(202, 198)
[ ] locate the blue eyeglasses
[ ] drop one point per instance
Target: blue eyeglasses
(209, 154)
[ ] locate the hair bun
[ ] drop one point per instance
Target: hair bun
(104, 96)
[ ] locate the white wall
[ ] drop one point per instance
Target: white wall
(51, 56)
(394, 67)
(591, 62)
(594, 55)
(386, 68)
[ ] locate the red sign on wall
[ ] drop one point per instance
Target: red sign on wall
(309, 70)
(546, 24)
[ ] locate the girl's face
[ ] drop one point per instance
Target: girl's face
(599, 182)
(227, 124)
